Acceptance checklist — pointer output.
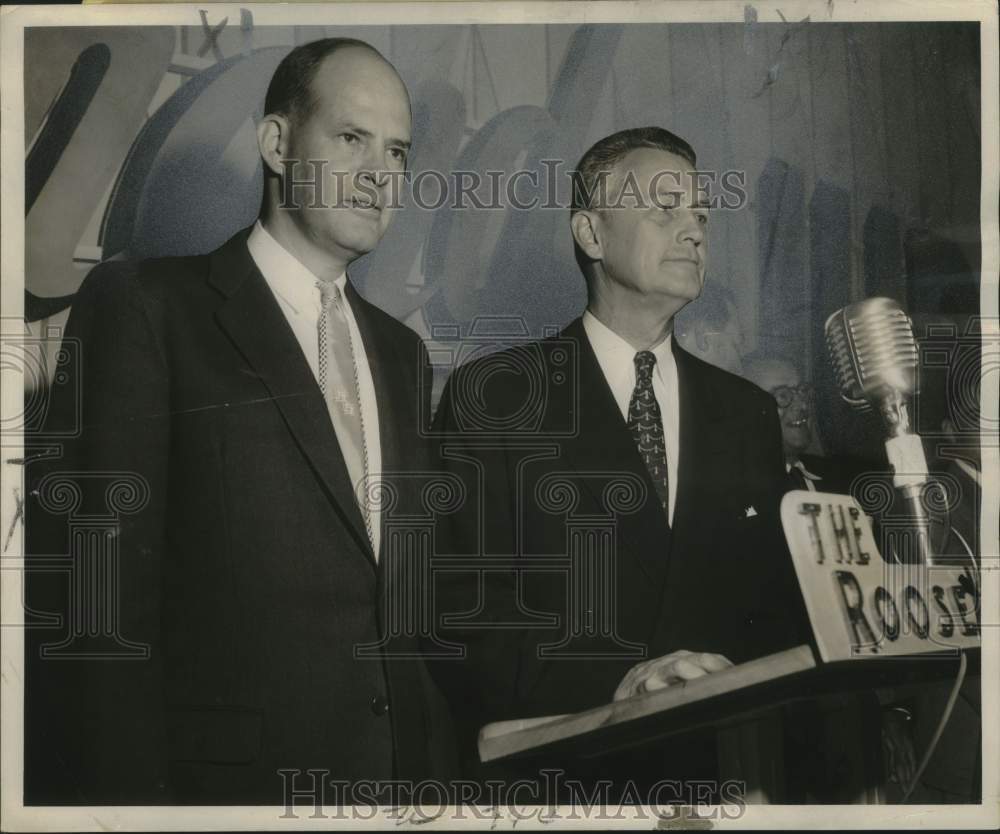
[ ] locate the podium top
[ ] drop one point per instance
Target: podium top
(506, 738)
(713, 700)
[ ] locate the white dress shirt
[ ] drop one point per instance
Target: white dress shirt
(296, 290)
(617, 360)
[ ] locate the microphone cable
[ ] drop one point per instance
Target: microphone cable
(952, 698)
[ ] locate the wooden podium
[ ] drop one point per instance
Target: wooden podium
(745, 708)
(877, 626)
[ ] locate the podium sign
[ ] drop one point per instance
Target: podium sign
(862, 606)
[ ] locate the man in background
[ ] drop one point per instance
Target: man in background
(794, 397)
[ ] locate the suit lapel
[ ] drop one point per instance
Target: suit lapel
(388, 378)
(396, 412)
(603, 444)
(706, 454)
(252, 318)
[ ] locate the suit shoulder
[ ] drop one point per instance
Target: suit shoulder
(495, 380)
(390, 326)
(753, 393)
(516, 359)
(154, 279)
(732, 386)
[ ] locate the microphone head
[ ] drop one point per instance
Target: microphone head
(872, 350)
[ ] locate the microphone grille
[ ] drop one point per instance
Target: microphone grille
(871, 348)
(838, 344)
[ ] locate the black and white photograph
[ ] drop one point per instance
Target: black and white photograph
(493, 415)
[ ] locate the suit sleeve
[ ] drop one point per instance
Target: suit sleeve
(481, 685)
(97, 726)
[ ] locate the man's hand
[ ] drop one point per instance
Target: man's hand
(668, 670)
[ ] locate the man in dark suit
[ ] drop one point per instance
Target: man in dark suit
(631, 488)
(237, 408)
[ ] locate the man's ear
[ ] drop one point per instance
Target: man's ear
(586, 226)
(272, 141)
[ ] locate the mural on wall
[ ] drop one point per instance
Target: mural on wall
(859, 156)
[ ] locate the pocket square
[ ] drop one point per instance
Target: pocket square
(750, 512)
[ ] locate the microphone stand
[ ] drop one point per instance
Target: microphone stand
(909, 465)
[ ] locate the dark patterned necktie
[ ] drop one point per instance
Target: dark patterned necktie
(646, 425)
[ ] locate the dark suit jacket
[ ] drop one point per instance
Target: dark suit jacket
(247, 573)
(551, 467)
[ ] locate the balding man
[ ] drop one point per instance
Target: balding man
(251, 392)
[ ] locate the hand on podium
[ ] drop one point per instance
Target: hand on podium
(669, 670)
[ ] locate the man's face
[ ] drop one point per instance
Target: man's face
(783, 382)
(360, 125)
(654, 247)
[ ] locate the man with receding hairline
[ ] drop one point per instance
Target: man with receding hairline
(258, 397)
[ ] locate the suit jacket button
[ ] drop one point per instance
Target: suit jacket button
(379, 705)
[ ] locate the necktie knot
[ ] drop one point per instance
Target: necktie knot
(329, 294)
(645, 361)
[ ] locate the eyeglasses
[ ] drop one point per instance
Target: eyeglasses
(786, 394)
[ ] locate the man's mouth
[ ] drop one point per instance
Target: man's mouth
(364, 203)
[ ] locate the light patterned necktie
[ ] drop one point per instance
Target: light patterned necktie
(646, 425)
(338, 380)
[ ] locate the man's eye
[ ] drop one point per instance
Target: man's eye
(703, 219)
(350, 138)
(398, 154)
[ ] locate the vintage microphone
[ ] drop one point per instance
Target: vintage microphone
(874, 357)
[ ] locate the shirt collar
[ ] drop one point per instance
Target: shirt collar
(812, 476)
(287, 276)
(616, 355)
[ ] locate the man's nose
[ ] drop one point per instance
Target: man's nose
(372, 168)
(799, 407)
(372, 176)
(691, 229)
